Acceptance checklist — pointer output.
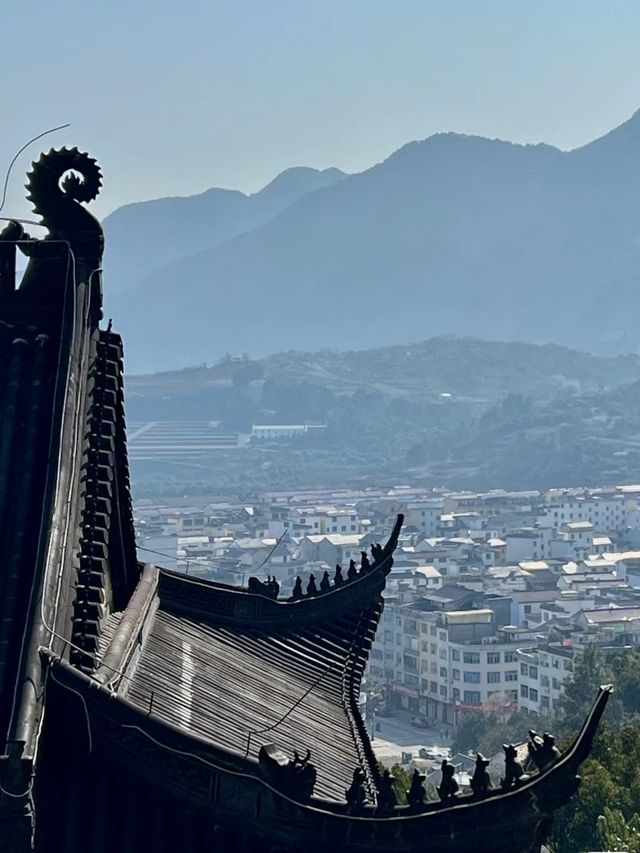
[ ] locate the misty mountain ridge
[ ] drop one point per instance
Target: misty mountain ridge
(180, 226)
(454, 234)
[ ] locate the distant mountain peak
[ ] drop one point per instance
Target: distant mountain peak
(454, 233)
(625, 134)
(297, 181)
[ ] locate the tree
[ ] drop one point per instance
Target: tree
(615, 832)
(401, 782)
(472, 730)
(610, 781)
(574, 826)
(590, 670)
(486, 732)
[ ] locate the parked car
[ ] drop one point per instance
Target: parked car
(420, 722)
(427, 754)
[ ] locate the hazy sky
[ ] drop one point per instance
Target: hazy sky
(174, 97)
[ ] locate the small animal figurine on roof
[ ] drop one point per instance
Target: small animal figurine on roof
(542, 750)
(480, 781)
(448, 788)
(416, 795)
(356, 795)
(514, 773)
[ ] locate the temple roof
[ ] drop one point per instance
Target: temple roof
(27, 370)
(241, 688)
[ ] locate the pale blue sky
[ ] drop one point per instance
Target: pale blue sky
(174, 97)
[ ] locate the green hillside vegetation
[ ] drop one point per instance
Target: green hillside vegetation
(457, 412)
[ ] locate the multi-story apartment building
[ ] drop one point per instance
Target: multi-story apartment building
(326, 519)
(425, 515)
(604, 512)
(439, 664)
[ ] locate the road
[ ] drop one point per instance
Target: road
(395, 735)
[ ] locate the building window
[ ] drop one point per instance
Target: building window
(433, 648)
(455, 654)
(555, 684)
(510, 657)
(524, 669)
(433, 687)
(455, 674)
(443, 654)
(544, 680)
(432, 629)
(511, 675)
(533, 672)
(433, 667)
(455, 693)
(472, 697)
(471, 657)
(524, 691)
(493, 677)
(533, 694)
(493, 657)
(443, 672)
(471, 677)
(443, 636)
(443, 691)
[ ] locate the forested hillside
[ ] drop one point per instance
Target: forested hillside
(453, 412)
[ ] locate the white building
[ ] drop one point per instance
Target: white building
(528, 543)
(442, 663)
(281, 432)
(542, 672)
(326, 518)
(424, 515)
(604, 512)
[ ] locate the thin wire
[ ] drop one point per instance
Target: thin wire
(211, 564)
(219, 768)
(18, 796)
(84, 705)
(268, 557)
(71, 262)
(24, 147)
(22, 222)
(291, 709)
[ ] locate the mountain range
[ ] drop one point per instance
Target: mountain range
(454, 234)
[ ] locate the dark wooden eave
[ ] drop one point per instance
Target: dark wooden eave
(66, 531)
(241, 670)
(219, 783)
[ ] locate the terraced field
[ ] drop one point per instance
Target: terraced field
(178, 442)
